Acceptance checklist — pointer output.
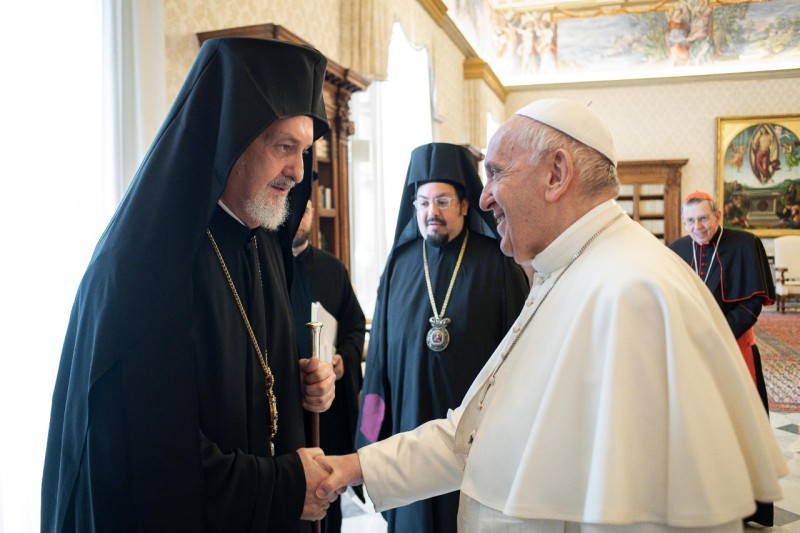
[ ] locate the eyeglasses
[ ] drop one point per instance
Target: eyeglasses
(703, 220)
(442, 202)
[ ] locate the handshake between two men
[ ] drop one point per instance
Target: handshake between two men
(327, 476)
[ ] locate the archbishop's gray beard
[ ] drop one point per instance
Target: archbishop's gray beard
(269, 211)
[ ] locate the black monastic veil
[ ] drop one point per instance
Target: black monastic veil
(158, 420)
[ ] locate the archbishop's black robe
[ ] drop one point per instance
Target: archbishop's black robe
(159, 416)
(739, 278)
(240, 479)
(320, 276)
(406, 383)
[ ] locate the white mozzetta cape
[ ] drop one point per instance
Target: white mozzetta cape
(625, 400)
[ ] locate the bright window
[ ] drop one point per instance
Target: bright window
(392, 118)
(55, 205)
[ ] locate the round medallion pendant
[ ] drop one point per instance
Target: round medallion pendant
(438, 337)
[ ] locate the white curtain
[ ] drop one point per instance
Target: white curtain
(136, 84)
(392, 118)
(61, 182)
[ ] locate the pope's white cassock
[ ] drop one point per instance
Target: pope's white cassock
(623, 405)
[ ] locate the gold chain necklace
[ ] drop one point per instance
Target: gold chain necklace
(438, 337)
(269, 379)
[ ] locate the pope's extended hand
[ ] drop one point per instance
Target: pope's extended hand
(314, 508)
(319, 384)
(345, 471)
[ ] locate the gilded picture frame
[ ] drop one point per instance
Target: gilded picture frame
(758, 173)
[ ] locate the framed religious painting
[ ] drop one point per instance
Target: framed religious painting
(758, 173)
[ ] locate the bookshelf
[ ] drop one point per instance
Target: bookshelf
(650, 193)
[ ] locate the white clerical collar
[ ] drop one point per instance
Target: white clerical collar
(225, 207)
(566, 245)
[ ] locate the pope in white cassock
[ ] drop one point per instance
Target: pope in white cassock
(618, 401)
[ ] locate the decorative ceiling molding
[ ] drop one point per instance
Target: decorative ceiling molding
(642, 82)
(584, 7)
(476, 68)
(458, 38)
(436, 9)
(613, 9)
(578, 8)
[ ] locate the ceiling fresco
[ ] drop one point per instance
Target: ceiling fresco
(530, 42)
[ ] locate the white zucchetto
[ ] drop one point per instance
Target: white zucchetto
(575, 120)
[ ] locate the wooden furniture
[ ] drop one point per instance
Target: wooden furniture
(650, 193)
(330, 192)
(787, 268)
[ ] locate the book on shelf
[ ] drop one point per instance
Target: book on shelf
(325, 197)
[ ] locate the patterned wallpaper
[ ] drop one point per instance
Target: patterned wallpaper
(316, 21)
(322, 28)
(450, 95)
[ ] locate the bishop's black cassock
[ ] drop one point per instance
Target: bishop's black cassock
(406, 383)
(321, 277)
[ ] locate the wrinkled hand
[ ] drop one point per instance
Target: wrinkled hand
(338, 366)
(314, 508)
(345, 471)
(319, 384)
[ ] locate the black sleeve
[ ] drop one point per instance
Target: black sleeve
(744, 315)
(351, 327)
(244, 492)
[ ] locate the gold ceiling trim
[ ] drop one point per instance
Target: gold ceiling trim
(594, 9)
(611, 10)
(476, 68)
(644, 82)
(436, 9)
(584, 8)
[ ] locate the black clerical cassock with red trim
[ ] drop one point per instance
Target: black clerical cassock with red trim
(736, 270)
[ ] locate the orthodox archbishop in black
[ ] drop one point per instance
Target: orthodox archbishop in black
(418, 368)
(160, 421)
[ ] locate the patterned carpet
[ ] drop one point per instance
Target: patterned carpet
(778, 340)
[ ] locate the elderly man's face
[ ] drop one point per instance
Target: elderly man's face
(262, 177)
(510, 193)
(700, 221)
(436, 222)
